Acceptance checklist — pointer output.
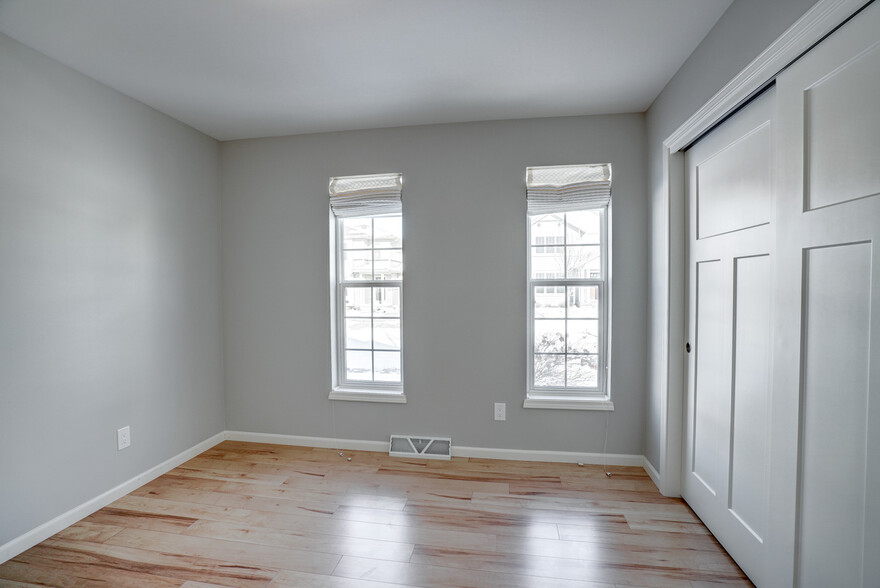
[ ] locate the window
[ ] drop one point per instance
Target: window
(568, 286)
(548, 240)
(367, 253)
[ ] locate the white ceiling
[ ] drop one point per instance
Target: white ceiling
(255, 68)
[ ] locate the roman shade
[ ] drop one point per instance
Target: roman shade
(371, 195)
(561, 188)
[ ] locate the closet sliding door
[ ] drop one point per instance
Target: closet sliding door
(826, 410)
(730, 259)
(782, 421)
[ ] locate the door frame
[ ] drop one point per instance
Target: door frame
(818, 22)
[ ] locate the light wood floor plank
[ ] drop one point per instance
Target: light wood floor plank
(228, 476)
(629, 536)
(48, 567)
(318, 496)
(626, 538)
(254, 515)
(89, 531)
(514, 512)
(663, 523)
(615, 552)
(140, 519)
(242, 501)
(192, 510)
(287, 579)
(333, 544)
(633, 568)
(438, 576)
(456, 519)
(177, 565)
(515, 517)
(242, 554)
(668, 510)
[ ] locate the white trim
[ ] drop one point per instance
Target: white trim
(350, 389)
(304, 441)
(652, 473)
(357, 396)
(33, 537)
(673, 376)
(809, 29)
(479, 452)
(568, 403)
(614, 459)
(535, 397)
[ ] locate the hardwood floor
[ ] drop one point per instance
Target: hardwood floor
(249, 514)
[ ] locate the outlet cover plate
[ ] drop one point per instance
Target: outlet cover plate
(123, 438)
(500, 411)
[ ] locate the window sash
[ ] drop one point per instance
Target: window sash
(578, 391)
(601, 388)
(339, 376)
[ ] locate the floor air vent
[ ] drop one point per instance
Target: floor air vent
(430, 447)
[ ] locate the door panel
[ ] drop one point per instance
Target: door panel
(824, 527)
(827, 374)
(751, 392)
(843, 132)
(835, 400)
(734, 185)
(782, 421)
(711, 396)
(730, 259)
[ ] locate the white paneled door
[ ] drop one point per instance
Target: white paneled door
(826, 393)
(782, 438)
(731, 255)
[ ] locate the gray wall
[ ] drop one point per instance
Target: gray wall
(745, 30)
(109, 288)
(465, 236)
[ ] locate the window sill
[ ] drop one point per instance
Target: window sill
(568, 403)
(368, 396)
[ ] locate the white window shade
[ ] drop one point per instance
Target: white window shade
(562, 188)
(371, 195)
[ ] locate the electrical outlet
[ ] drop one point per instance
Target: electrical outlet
(500, 411)
(123, 438)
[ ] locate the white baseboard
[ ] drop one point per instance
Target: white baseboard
(651, 471)
(24, 542)
(302, 441)
(482, 452)
(612, 459)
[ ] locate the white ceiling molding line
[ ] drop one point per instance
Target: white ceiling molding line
(811, 28)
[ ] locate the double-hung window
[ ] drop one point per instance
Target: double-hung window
(367, 271)
(569, 286)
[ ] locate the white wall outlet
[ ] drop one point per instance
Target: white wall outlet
(500, 411)
(123, 438)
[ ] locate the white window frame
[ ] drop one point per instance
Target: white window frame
(342, 389)
(576, 398)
